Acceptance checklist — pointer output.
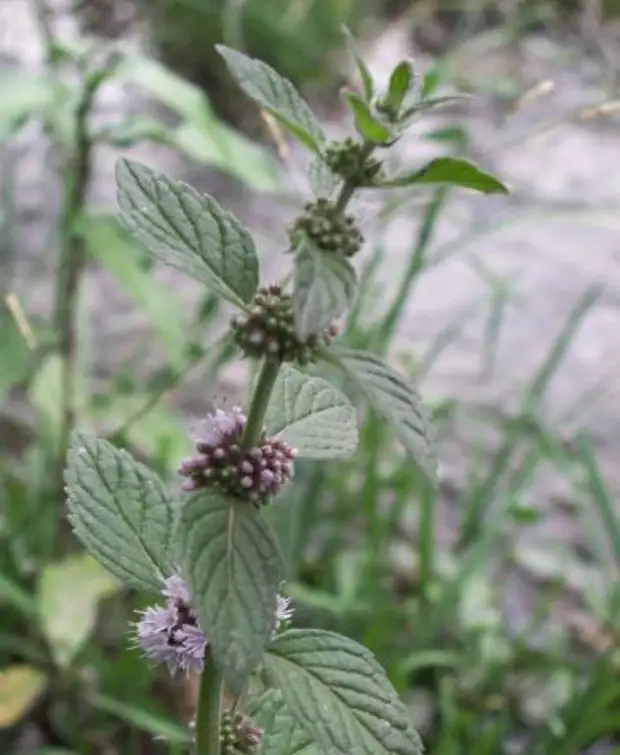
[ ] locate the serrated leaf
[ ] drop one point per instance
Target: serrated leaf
(367, 125)
(362, 68)
(275, 94)
(282, 735)
(338, 692)
(231, 561)
(449, 170)
(324, 286)
(395, 401)
(68, 597)
(311, 415)
(121, 511)
(19, 688)
(188, 231)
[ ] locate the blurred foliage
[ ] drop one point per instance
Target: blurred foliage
(300, 38)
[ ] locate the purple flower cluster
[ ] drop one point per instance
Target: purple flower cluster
(171, 634)
(256, 473)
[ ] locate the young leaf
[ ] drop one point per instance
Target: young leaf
(394, 400)
(188, 231)
(449, 170)
(339, 693)
(231, 561)
(311, 415)
(275, 94)
(362, 68)
(282, 734)
(325, 285)
(402, 82)
(368, 127)
(435, 102)
(68, 597)
(121, 512)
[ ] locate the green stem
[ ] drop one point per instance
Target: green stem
(78, 170)
(208, 712)
(350, 187)
(260, 401)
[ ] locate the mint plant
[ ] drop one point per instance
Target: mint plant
(206, 548)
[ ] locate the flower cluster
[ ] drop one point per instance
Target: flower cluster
(171, 634)
(268, 329)
(238, 734)
(327, 228)
(349, 160)
(256, 473)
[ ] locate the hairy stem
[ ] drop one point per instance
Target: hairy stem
(260, 401)
(208, 712)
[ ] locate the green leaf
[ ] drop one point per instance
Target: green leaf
(325, 285)
(402, 82)
(46, 395)
(449, 170)
(20, 686)
(121, 511)
(188, 231)
(109, 243)
(201, 135)
(311, 415)
(362, 68)
(274, 94)
(68, 597)
(394, 400)
(17, 358)
(339, 693)
(368, 127)
(144, 720)
(435, 102)
(230, 152)
(231, 562)
(24, 95)
(282, 734)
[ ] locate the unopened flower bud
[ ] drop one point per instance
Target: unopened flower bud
(269, 329)
(327, 228)
(348, 160)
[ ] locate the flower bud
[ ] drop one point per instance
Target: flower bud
(268, 329)
(327, 228)
(348, 160)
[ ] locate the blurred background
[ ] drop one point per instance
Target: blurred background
(495, 607)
